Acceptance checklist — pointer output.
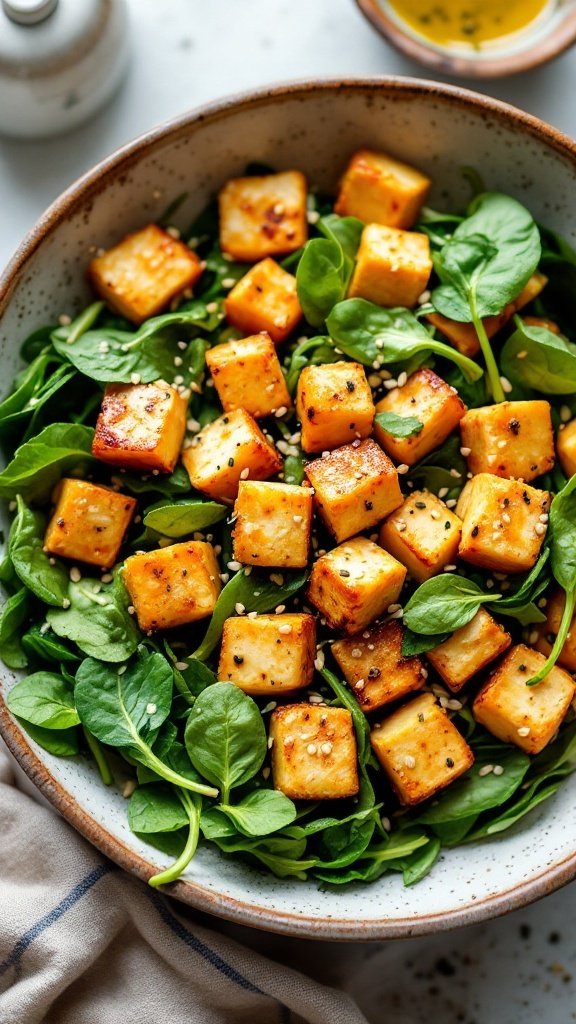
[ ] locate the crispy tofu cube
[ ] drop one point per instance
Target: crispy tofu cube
(139, 276)
(263, 216)
(374, 667)
(469, 650)
(566, 448)
(548, 630)
(273, 524)
(377, 188)
(226, 451)
(429, 399)
(334, 405)
(420, 750)
(527, 716)
(173, 585)
(140, 426)
(247, 375)
(314, 753)
(392, 266)
(88, 523)
(355, 487)
(422, 534)
(509, 439)
(268, 655)
(464, 337)
(354, 583)
(503, 523)
(265, 299)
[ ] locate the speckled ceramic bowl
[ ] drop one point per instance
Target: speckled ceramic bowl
(314, 127)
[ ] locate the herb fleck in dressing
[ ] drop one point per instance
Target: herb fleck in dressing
(475, 22)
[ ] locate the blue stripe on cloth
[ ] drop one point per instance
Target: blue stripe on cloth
(210, 955)
(54, 915)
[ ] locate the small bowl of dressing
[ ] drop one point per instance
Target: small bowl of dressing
(476, 38)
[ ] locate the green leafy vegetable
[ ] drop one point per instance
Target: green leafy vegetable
(43, 643)
(547, 363)
(398, 426)
(31, 563)
(473, 793)
(97, 620)
(444, 603)
(261, 812)
(181, 518)
(14, 614)
(60, 742)
(44, 699)
(225, 737)
(38, 464)
(156, 808)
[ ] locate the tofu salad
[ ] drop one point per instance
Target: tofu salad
(293, 547)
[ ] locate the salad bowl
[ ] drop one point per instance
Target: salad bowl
(314, 127)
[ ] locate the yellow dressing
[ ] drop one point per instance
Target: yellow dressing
(475, 22)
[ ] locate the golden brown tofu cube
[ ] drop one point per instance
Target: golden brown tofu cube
(355, 487)
(548, 630)
(392, 267)
(140, 426)
(173, 585)
(263, 215)
(527, 716)
(429, 399)
(422, 534)
(375, 187)
(268, 655)
(464, 337)
(420, 750)
(469, 650)
(355, 583)
(144, 272)
(226, 451)
(265, 299)
(374, 667)
(509, 439)
(504, 523)
(313, 752)
(334, 405)
(88, 523)
(247, 375)
(273, 524)
(566, 448)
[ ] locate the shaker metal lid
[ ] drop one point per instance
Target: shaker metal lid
(29, 12)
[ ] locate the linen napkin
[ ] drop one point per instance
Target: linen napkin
(81, 942)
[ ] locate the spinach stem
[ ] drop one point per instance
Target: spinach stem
(99, 756)
(469, 368)
(83, 322)
(491, 365)
(179, 865)
(151, 761)
(560, 640)
(380, 853)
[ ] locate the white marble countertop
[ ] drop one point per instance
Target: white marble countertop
(517, 970)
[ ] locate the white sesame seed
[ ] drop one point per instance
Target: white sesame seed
(486, 769)
(402, 378)
(128, 788)
(131, 609)
(75, 574)
(285, 628)
(455, 474)
(312, 216)
(449, 568)
(173, 231)
(401, 525)
(402, 468)
(434, 514)
(151, 709)
(234, 566)
(106, 578)
(506, 385)
(359, 684)
(498, 769)
(252, 615)
(245, 473)
(540, 529)
(410, 761)
(281, 411)
(522, 354)
(397, 615)
(228, 282)
(544, 517)
(386, 824)
(453, 704)
(178, 360)
(326, 748)
(442, 492)
(506, 518)
(565, 413)
(239, 608)
(64, 320)
(277, 578)
(311, 748)
(182, 666)
(270, 742)
(524, 730)
(356, 652)
(451, 503)
(224, 576)
(66, 603)
(319, 662)
(465, 452)
(211, 307)
(390, 384)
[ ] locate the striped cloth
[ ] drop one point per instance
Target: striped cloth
(83, 943)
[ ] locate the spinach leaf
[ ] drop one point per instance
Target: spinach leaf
(548, 363)
(60, 742)
(309, 352)
(378, 859)
(181, 518)
(294, 469)
(45, 699)
(189, 681)
(373, 335)
(322, 278)
(225, 737)
(398, 426)
(473, 793)
(97, 620)
(39, 463)
(418, 864)
(416, 643)
(25, 387)
(444, 603)
(347, 231)
(562, 539)
(156, 808)
(126, 709)
(261, 812)
(520, 604)
(177, 483)
(256, 592)
(31, 564)
(44, 644)
(444, 467)
(36, 342)
(111, 355)
(347, 700)
(14, 614)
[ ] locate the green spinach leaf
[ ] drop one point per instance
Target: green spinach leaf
(444, 603)
(14, 614)
(38, 464)
(547, 363)
(398, 426)
(45, 699)
(97, 620)
(261, 812)
(181, 518)
(31, 564)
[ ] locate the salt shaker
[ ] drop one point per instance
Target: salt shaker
(60, 61)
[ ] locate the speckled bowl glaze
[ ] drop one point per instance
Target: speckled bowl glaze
(314, 127)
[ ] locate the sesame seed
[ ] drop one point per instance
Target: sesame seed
(286, 628)
(434, 514)
(65, 603)
(455, 474)
(465, 452)
(128, 788)
(319, 662)
(178, 360)
(234, 566)
(239, 608)
(453, 704)
(449, 568)
(359, 684)
(442, 492)
(544, 517)
(540, 529)
(498, 769)
(245, 473)
(524, 730)
(506, 385)
(501, 444)
(326, 748)
(135, 378)
(400, 525)
(397, 615)
(390, 384)
(64, 320)
(277, 578)
(522, 354)
(270, 742)
(315, 698)
(312, 216)
(182, 666)
(228, 282)
(131, 609)
(151, 709)
(402, 468)
(565, 413)
(386, 824)
(297, 519)
(410, 761)
(281, 608)
(506, 518)
(211, 307)
(281, 411)
(451, 503)
(173, 232)
(106, 578)
(402, 378)
(224, 576)
(486, 769)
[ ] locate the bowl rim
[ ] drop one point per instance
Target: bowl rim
(226, 907)
(545, 48)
